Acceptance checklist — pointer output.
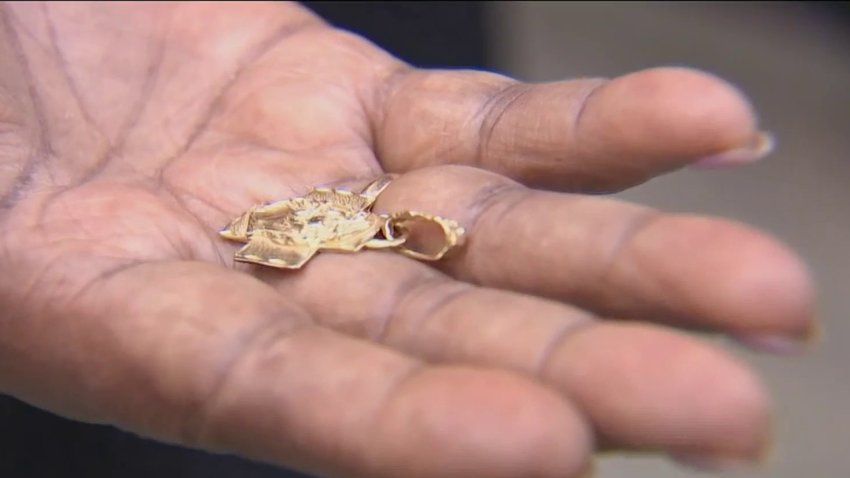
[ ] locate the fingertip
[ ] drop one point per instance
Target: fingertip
(696, 113)
(683, 396)
(746, 397)
(736, 414)
(770, 289)
(751, 284)
(483, 423)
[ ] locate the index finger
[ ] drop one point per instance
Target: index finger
(577, 135)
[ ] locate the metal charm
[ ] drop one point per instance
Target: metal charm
(288, 233)
(401, 224)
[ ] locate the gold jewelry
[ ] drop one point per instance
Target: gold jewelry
(286, 234)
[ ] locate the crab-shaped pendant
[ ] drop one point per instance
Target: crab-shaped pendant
(288, 233)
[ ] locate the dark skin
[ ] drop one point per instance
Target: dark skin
(132, 133)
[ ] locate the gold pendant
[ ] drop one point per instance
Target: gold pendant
(286, 234)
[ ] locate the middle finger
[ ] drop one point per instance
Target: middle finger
(611, 257)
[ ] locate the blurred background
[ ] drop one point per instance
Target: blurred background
(793, 59)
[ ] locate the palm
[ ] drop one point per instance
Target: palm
(239, 142)
(141, 158)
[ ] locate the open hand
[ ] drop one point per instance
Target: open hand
(130, 134)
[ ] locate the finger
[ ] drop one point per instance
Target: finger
(613, 258)
(195, 354)
(641, 387)
(585, 134)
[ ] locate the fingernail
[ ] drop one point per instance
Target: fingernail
(714, 463)
(783, 344)
(814, 333)
(720, 463)
(773, 344)
(758, 147)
